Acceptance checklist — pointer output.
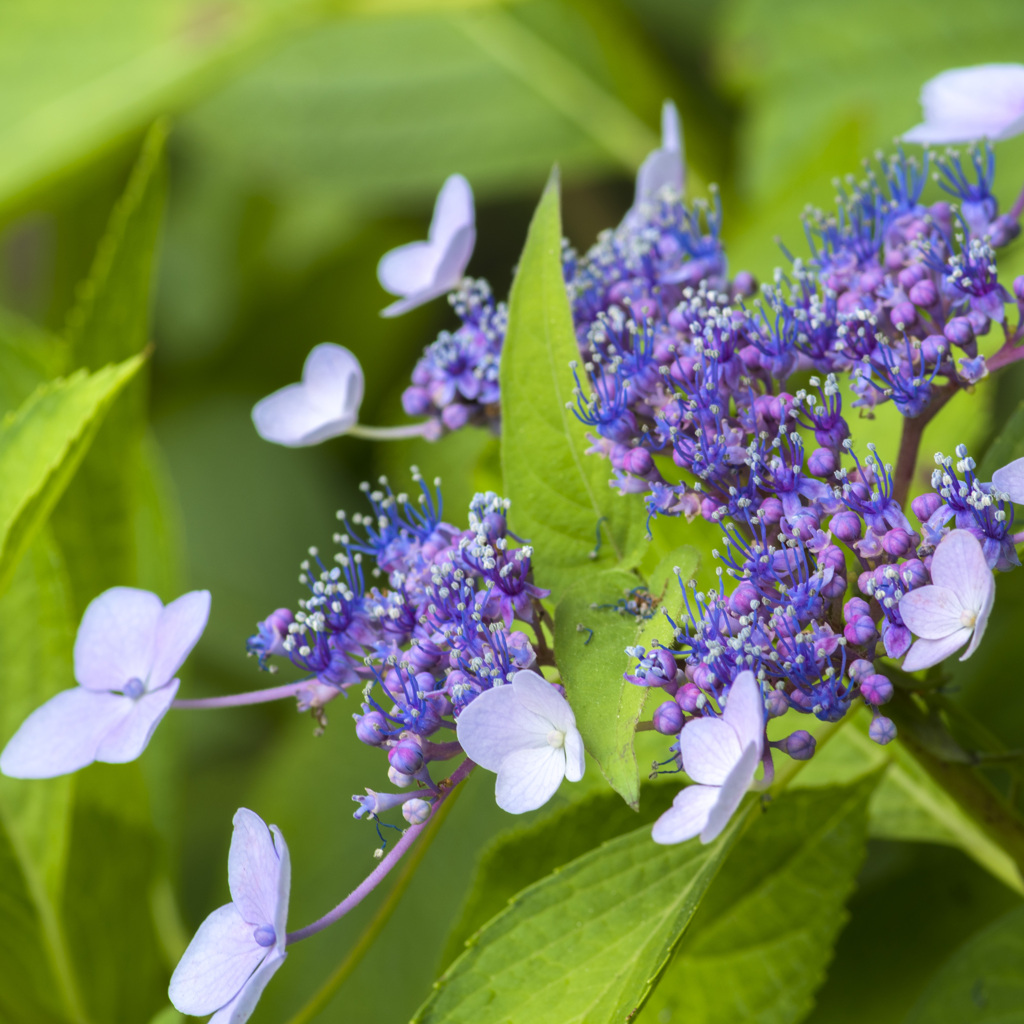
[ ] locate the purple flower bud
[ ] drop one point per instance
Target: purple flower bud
(799, 745)
(831, 556)
(802, 700)
(1018, 288)
(855, 608)
(821, 462)
(668, 718)
(744, 284)
(882, 730)
(455, 416)
(860, 630)
(876, 689)
(416, 811)
(687, 696)
(913, 573)
(933, 348)
(371, 728)
(778, 705)
(665, 663)
(638, 461)
(835, 587)
(406, 757)
(923, 293)
(846, 526)
(925, 505)
(979, 321)
(416, 401)
(1003, 230)
(770, 511)
(397, 778)
(860, 669)
(903, 314)
(740, 599)
(910, 276)
(959, 332)
(897, 542)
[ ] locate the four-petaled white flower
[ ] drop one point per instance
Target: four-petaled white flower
(1010, 481)
(421, 271)
(128, 648)
(239, 946)
(720, 755)
(966, 104)
(664, 167)
(526, 732)
(955, 608)
(324, 404)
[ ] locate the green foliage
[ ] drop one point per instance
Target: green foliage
(769, 923)
(559, 494)
(982, 983)
(588, 941)
(28, 357)
(1007, 446)
(41, 446)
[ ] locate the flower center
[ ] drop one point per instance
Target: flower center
(265, 935)
(556, 738)
(968, 617)
(133, 688)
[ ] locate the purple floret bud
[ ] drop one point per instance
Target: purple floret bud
(959, 332)
(799, 745)
(416, 401)
(688, 696)
(744, 284)
(860, 630)
(777, 703)
(406, 757)
(742, 598)
(770, 511)
(371, 728)
(821, 462)
(668, 718)
(1018, 288)
(882, 730)
(846, 526)
(933, 348)
(924, 506)
(416, 811)
(903, 314)
(455, 416)
(860, 669)
(638, 461)
(897, 542)
(923, 293)
(876, 689)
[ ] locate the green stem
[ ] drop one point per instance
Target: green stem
(370, 933)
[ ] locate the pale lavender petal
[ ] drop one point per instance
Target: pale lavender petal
(178, 630)
(987, 93)
(410, 268)
(981, 622)
(575, 762)
(729, 796)
(959, 564)
(528, 779)
(938, 133)
(218, 962)
(452, 267)
(710, 749)
(536, 694)
(496, 724)
(744, 711)
(240, 1008)
(254, 870)
(453, 211)
(334, 378)
(932, 612)
(284, 885)
(925, 653)
(663, 168)
(1010, 480)
(687, 816)
(64, 734)
(130, 736)
(115, 639)
(671, 132)
(412, 301)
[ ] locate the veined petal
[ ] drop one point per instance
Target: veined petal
(131, 735)
(1010, 480)
(284, 887)
(240, 1008)
(710, 749)
(116, 637)
(453, 263)
(959, 564)
(495, 724)
(925, 653)
(981, 622)
(932, 612)
(744, 711)
(729, 796)
(64, 734)
(178, 630)
(453, 211)
(219, 960)
(254, 870)
(528, 779)
(575, 762)
(536, 694)
(687, 817)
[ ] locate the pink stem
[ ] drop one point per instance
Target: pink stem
(381, 871)
(240, 699)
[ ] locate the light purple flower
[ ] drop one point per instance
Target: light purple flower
(526, 732)
(664, 167)
(965, 104)
(325, 404)
(128, 648)
(1010, 481)
(720, 755)
(239, 946)
(955, 608)
(421, 271)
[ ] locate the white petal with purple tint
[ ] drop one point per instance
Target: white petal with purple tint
(730, 793)
(528, 779)
(687, 817)
(965, 104)
(178, 630)
(324, 404)
(1010, 480)
(664, 167)
(709, 748)
(932, 612)
(115, 638)
(240, 1008)
(130, 737)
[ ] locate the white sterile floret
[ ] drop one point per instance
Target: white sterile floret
(966, 104)
(324, 404)
(663, 168)
(955, 608)
(526, 732)
(1010, 481)
(421, 271)
(720, 755)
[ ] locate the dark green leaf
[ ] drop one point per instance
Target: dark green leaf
(759, 946)
(1007, 446)
(559, 493)
(982, 983)
(28, 357)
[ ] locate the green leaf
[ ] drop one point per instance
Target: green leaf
(1007, 446)
(41, 446)
(585, 943)
(559, 494)
(982, 983)
(592, 660)
(28, 358)
(761, 942)
(523, 856)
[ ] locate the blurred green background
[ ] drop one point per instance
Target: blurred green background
(306, 140)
